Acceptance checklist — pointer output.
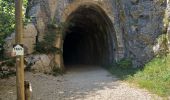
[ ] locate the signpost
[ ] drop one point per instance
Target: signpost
(18, 51)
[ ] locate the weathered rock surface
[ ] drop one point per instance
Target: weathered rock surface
(40, 63)
(143, 22)
(29, 40)
(144, 25)
(137, 24)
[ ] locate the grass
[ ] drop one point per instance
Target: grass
(122, 73)
(155, 76)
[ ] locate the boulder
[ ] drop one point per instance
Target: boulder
(39, 63)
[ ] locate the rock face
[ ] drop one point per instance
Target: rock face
(29, 40)
(144, 25)
(133, 25)
(39, 63)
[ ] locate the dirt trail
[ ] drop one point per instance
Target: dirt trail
(79, 83)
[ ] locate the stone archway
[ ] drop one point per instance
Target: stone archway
(88, 37)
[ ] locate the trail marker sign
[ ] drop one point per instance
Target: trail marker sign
(18, 50)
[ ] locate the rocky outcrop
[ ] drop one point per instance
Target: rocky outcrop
(29, 40)
(36, 63)
(144, 24)
(138, 23)
(40, 63)
(133, 25)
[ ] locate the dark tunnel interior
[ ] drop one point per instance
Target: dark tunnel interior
(88, 37)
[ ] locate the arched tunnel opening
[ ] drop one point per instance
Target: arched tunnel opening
(89, 37)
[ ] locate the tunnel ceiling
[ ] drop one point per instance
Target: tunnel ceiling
(88, 37)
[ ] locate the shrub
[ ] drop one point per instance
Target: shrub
(48, 44)
(57, 71)
(125, 63)
(155, 76)
(7, 19)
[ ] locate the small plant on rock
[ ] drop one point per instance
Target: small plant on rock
(48, 44)
(124, 63)
(57, 71)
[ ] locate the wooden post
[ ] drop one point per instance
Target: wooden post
(28, 90)
(19, 59)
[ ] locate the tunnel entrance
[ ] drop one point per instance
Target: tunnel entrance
(89, 37)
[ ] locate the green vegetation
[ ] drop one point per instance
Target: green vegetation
(48, 44)
(123, 68)
(7, 19)
(154, 76)
(7, 25)
(124, 63)
(57, 71)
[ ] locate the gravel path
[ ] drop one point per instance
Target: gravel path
(79, 83)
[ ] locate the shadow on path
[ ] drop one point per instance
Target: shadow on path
(79, 83)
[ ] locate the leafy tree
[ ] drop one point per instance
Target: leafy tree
(7, 19)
